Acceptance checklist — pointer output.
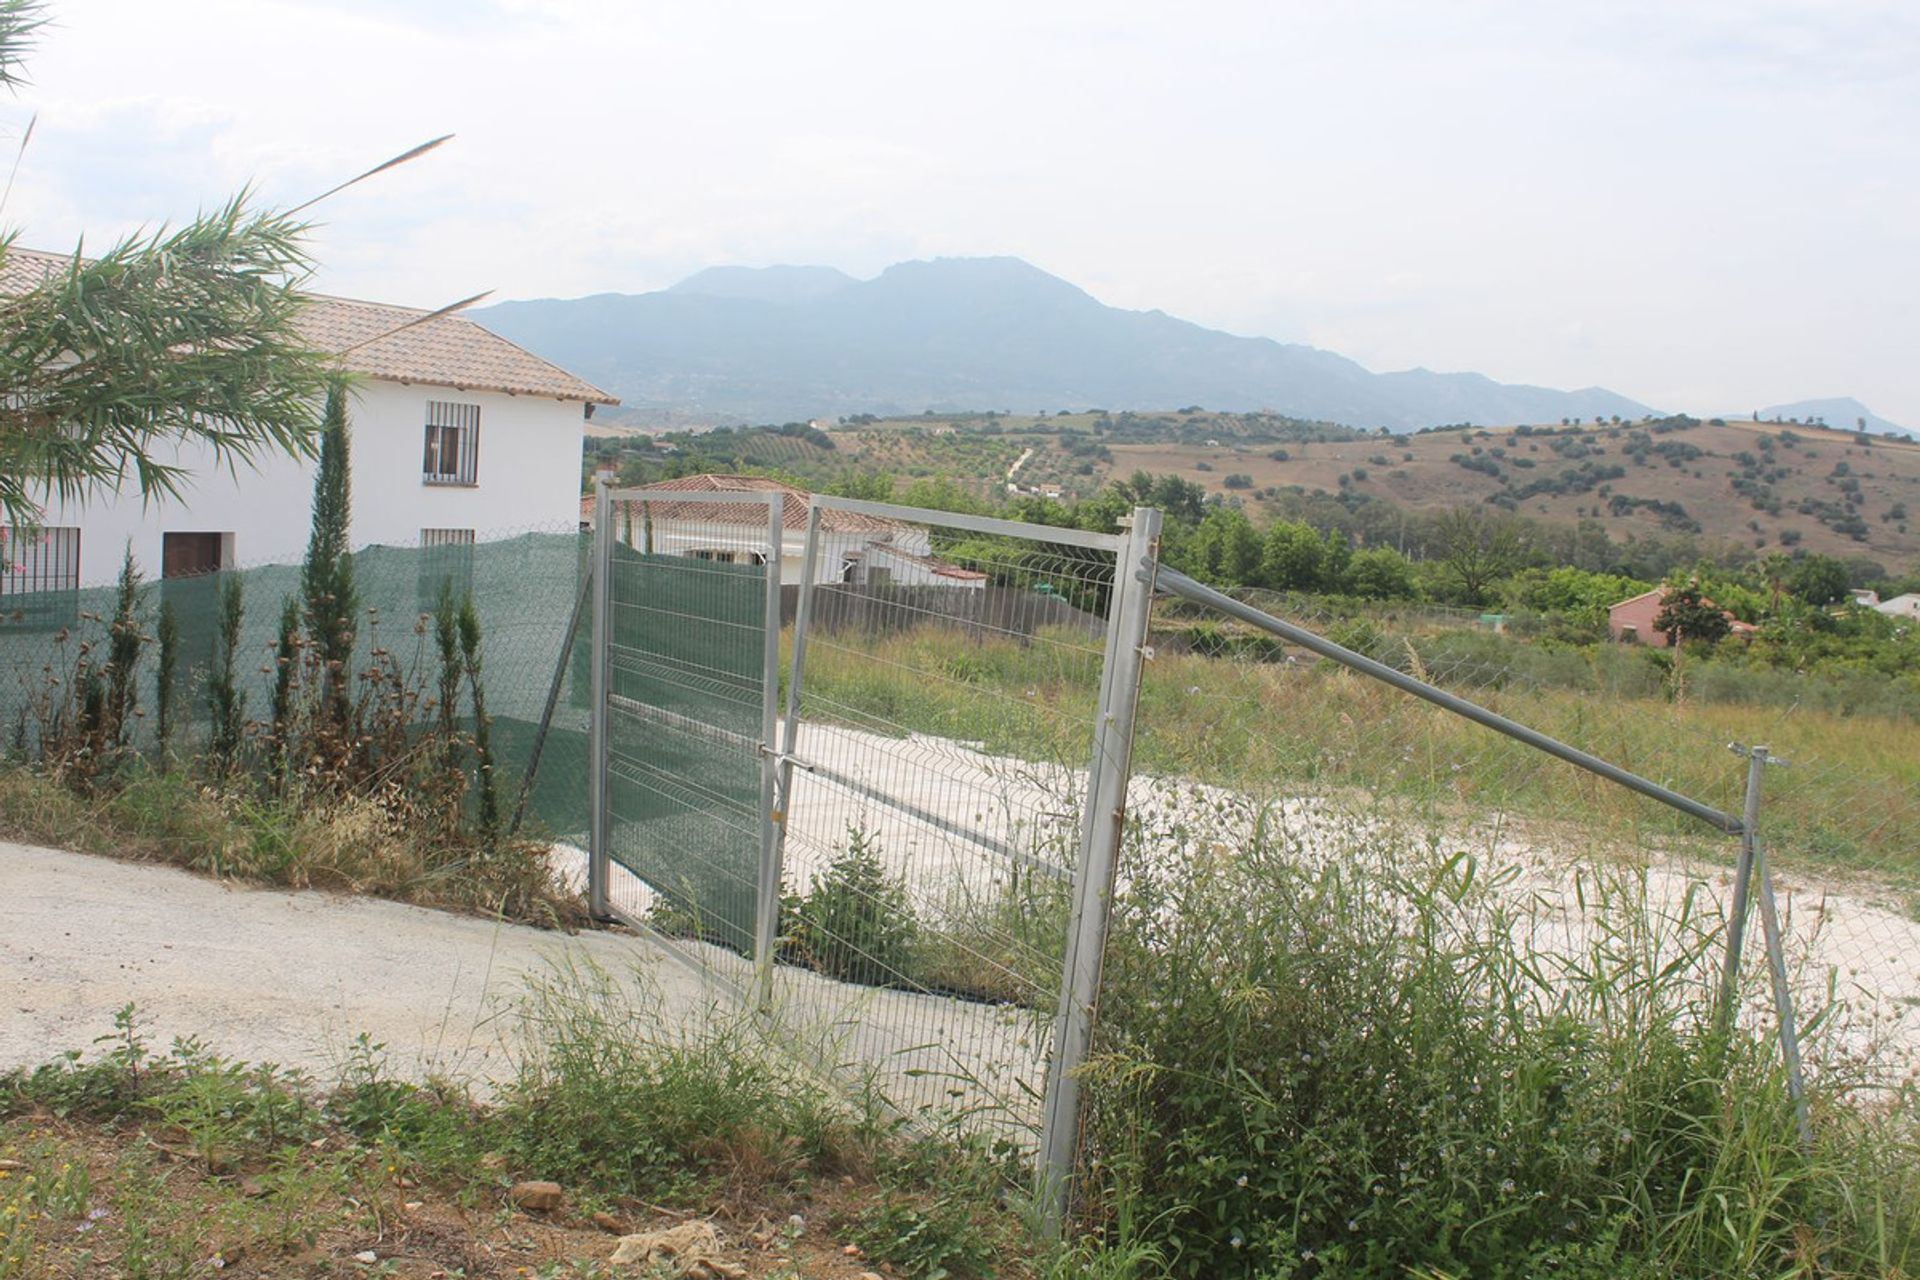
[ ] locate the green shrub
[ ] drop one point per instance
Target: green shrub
(1346, 1062)
(857, 923)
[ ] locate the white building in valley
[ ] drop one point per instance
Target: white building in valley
(1906, 606)
(457, 435)
(855, 548)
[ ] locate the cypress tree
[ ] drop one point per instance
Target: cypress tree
(482, 728)
(326, 578)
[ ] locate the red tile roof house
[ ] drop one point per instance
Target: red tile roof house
(854, 548)
(1632, 620)
(457, 433)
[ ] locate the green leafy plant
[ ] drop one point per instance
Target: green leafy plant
(935, 1237)
(857, 923)
(482, 727)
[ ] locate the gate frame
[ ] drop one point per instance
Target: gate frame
(1135, 552)
(599, 853)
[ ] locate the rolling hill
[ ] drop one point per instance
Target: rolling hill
(1735, 483)
(1728, 484)
(782, 343)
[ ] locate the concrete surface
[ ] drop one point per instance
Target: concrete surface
(269, 975)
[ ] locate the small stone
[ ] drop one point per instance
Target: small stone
(609, 1223)
(870, 1275)
(797, 1224)
(366, 1257)
(12, 1166)
(252, 1188)
(413, 1206)
(538, 1197)
(852, 1250)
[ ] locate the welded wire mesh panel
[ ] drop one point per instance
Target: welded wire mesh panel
(686, 694)
(1243, 740)
(947, 691)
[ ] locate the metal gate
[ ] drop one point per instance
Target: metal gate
(685, 676)
(908, 875)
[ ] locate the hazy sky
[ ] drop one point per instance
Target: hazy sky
(1706, 206)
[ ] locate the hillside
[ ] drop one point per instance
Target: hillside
(795, 343)
(1758, 485)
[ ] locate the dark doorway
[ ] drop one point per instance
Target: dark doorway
(190, 555)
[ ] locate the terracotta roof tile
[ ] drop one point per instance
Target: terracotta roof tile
(793, 513)
(448, 351)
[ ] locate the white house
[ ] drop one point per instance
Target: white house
(457, 434)
(855, 548)
(1906, 606)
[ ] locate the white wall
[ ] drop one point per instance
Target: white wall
(682, 537)
(528, 476)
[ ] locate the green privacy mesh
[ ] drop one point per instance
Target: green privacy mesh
(687, 687)
(525, 589)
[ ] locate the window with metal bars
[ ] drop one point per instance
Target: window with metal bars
(452, 454)
(39, 577)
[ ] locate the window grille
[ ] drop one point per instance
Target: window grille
(452, 454)
(39, 576)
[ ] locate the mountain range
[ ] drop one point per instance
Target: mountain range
(739, 344)
(1842, 412)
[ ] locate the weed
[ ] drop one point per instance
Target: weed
(1352, 1060)
(612, 1096)
(104, 1088)
(229, 1109)
(926, 1237)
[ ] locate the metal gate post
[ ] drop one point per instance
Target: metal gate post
(598, 749)
(789, 742)
(1753, 870)
(766, 923)
(1742, 890)
(1129, 613)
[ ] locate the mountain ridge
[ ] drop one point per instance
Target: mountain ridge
(743, 344)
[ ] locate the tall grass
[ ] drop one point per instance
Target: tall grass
(1852, 800)
(1360, 1060)
(299, 838)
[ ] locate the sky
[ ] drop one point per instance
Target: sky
(1706, 206)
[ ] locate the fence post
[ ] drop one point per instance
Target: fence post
(766, 923)
(1782, 992)
(1128, 615)
(1740, 907)
(1754, 871)
(598, 748)
(790, 730)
